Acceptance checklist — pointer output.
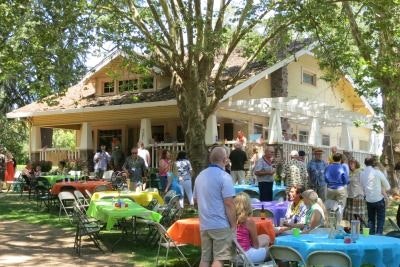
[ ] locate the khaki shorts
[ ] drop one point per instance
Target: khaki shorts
(216, 245)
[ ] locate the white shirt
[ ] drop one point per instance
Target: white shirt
(372, 181)
(144, 154)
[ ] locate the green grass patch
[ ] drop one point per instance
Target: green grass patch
(138, 252)
(20, 208)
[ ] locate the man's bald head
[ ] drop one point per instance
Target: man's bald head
(218, 155)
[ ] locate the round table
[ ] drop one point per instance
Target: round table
(381, 251)
(187, 231)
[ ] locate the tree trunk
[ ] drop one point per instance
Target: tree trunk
(391, 143)
(191, 105)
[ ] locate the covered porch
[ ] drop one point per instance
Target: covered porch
(262, 120)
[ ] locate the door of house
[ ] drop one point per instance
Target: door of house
(105, 137)
(228, 131)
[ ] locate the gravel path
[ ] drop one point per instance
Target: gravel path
(23, 244)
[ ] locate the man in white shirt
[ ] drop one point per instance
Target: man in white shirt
(373, 182)
(101, 160)
(144, 154)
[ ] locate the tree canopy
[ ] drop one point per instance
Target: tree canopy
(43, 45)
(361, 39)
(191, 41)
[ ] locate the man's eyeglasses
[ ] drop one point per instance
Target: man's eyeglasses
(134, 152)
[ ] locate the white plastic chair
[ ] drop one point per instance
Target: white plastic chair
(67, 201)
(328, 259)
(285, 253)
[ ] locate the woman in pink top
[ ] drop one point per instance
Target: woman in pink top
(255, 246)
(164, 166)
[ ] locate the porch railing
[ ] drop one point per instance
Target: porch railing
(57, 154)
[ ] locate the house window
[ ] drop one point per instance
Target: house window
(258, 128)
(108, 87)
(128, 85)
(147, 83)
(364, 145)
(326, 140)
(309, 78)
(303, 136)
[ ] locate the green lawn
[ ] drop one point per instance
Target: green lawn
(138, 252)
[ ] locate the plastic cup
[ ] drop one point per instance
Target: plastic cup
(365, 231)
(296, 232)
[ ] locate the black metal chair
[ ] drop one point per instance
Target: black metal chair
(85, 227)
(168, 243)
(44, 197)
(252, 194)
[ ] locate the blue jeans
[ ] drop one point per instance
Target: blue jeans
(376, 213)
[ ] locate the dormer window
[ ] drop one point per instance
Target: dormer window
(128, 85)
(142, 83)
(108, 87)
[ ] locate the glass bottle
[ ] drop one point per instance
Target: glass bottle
(263, 214)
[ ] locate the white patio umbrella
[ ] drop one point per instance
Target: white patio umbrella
(345, 139)
(274, 127)
(374, 143)
(315, 133)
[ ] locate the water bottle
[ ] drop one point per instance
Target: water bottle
(355, 230)
(263, 214)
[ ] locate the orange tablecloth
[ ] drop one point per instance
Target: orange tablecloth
(187, 231)
(81, 186)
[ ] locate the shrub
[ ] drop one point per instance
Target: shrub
(44, 165)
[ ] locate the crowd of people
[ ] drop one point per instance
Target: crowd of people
(312, 189)
(337, 185)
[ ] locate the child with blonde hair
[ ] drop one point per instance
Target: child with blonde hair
(255, 246)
